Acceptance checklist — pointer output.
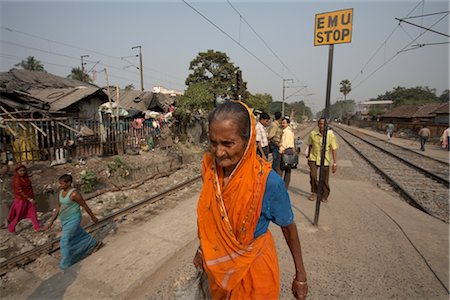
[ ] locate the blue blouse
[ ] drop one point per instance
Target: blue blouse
(276, 206)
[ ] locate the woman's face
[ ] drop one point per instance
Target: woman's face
(64, 185)
(226, 144)
(22, 171)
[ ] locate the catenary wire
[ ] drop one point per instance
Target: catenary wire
(234, 40)
(80, 48)
(382, 44)
(396, 54)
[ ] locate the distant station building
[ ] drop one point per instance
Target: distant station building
(366, 110)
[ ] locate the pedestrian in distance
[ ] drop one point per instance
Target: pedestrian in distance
(298, 145)
(389, 130)
(445, 139)
(424, 135)
(313, 155)
(287, 146)
(240, 195)
(262, 143)
(274, 136)
(24, 205)
(75, 242)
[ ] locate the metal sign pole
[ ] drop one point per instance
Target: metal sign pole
(324, 135)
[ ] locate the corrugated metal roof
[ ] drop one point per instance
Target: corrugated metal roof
(443, 109)
(16, 79)
(132, 99)
(141, 100)
(426, 110)
(64, 97)
(405, 111)
(377, 102)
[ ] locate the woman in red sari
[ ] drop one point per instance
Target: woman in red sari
(24, 205)
(240, 196)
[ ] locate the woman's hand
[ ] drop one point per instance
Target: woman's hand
(299, 289)
(198, 260)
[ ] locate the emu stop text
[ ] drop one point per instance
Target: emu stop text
(333, 27)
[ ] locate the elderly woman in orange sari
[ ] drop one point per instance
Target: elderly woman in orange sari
(240, 196)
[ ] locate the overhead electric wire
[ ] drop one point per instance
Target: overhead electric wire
(262, 40)
(234, 40)
(402, 50)
(88, 61)
(383, 44)
(427, 15)
(81, 48)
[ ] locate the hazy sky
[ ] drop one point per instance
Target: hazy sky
(172, 34)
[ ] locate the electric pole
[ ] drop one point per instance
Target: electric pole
(82, 66)
(140, 66)
(282, 103)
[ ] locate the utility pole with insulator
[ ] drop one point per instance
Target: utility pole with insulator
(239, 84)
(140, 66)
(82, 66)
(282, 103)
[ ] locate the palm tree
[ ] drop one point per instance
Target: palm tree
(79, 74)
(346, 87)
(31, 64)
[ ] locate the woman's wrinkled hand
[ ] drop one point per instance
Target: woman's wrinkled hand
(198, 260)
(299, 289)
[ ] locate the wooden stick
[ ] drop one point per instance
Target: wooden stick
(11, 116)
(68, 127)
(37, 127)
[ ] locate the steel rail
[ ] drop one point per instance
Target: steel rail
(403, 192)
(53, 245)
(438, 178)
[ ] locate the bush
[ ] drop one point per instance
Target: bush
(89, 179)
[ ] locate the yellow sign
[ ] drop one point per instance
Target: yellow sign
(333, 27)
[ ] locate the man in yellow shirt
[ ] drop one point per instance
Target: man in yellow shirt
(313, 154)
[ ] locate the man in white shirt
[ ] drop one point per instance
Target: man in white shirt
(262, 143)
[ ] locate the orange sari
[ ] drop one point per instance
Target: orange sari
(238, 265)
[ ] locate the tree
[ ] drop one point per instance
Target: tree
(444, 97)
(196, 97)
(300, 110)
(410, 96)
(214, 69)
(340, 109)
(78, 74)
(129, 87)
(346, 88)
(31, 64)
(259, 101)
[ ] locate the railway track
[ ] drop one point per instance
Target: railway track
(422, 181)
(53, 245)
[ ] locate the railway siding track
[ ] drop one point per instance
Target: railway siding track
(418, 178)
(53, 245)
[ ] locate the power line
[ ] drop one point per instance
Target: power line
(76, 58)
(79, 48)
(383, 44)
(231, 38)
(402, 50)
(264, 42)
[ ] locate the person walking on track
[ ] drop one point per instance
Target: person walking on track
(313, 154)
(75, 242)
